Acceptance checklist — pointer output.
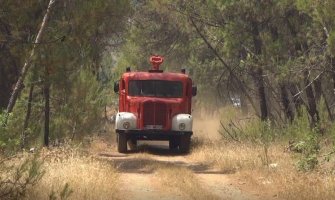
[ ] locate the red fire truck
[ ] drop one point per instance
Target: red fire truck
(154, 105)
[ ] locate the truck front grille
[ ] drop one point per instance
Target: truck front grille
(154, 115)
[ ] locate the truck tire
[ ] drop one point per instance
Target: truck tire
(132, 144)
(173, 143)
(121, 143)
(184, 145)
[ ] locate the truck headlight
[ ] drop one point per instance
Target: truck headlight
(182, 126)
(182, 122)
(126, 125)
(125, 121)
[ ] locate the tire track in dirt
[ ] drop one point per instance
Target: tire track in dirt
(141, 187)
(140, 177)
(141, 174)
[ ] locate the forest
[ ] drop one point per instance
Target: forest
(59, 60)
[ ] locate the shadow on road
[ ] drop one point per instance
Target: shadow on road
(155, 157)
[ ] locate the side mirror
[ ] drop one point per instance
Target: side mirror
(194, 90)
(116, 86)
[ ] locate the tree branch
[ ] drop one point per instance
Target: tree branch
(231, 71)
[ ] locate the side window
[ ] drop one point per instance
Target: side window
(123, 84)
(134, 88)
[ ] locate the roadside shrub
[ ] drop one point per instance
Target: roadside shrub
(17, 176)
(309, 149)
(299, 128)
(304, 140)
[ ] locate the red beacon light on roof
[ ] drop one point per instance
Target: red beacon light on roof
(156, 61)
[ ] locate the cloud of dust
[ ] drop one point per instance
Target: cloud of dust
(206, 126)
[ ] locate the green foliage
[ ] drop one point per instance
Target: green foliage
(9, 141)
(264, 134)
(252, 130)
(82, 110)
(3, 131)
(302, 139)
(299, 128)
(14, 129)
(87, 45)
(77, 38)
(331, 43)
(309, 149)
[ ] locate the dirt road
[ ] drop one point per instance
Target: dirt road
(155, 172)
(140, 176)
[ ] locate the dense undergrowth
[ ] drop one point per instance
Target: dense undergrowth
(75, 116)
(292, 160)
(308, 144)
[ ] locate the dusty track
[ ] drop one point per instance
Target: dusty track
(141, 174)
(140, 180)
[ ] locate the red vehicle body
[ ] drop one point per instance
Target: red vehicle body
(154, 105)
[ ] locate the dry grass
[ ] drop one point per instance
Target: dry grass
(247, 161)
(87, 177)
(183, 180)
(227, 157)
(306, 186)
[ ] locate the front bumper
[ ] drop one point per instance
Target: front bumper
(153, 134)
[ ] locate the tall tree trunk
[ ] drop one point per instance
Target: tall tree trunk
(258, 73)
(27, 64)
(297, 99)
(318, 89)
(46, 108)
(313, 112)
(26, 120)
(331, 117)
(289, 113)
(258, 77)
(244, 105)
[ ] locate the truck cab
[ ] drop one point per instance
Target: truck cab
(154, 105)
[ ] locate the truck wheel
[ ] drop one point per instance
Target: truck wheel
(173, 143)
(184, 145)
(132, 144)
(121, 143)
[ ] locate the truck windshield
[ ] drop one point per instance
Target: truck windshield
(156, 88)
